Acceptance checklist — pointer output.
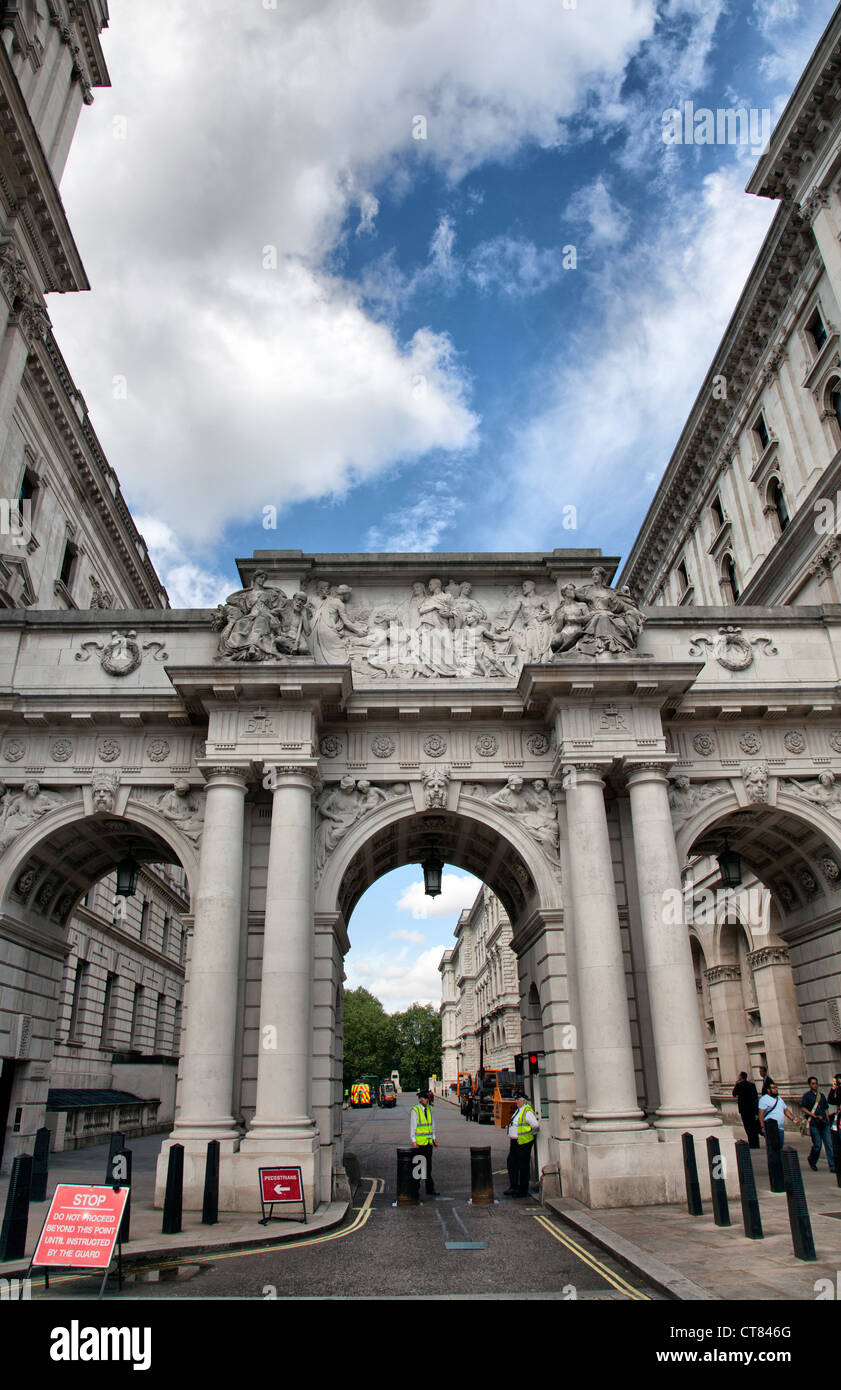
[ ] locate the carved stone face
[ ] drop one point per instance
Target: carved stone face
(567, 591)
(418, 591)
(181, 787)
(598, 574)
(435, 586)
(103, 799)
(347, 784)
(31, 789)
(515, 784)
(528, 587)
(299, 602)
(259, 579)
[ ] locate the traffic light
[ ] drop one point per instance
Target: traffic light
(519, 1069)
(534, 1063)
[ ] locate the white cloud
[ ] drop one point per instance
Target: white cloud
(595, 206)
(396, 983)
(248, 129)
(457, 892)
(188, 584)
(418, 526)
(415, 937)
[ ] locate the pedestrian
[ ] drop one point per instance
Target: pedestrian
(814, 1106)
(422, 1135)
(773, 1107)
(834, 1098)
(521, 1131)
(747, 1099)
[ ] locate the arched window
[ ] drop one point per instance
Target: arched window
(834, 399)
(776, 499)
(729, 579)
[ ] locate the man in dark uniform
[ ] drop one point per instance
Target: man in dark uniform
(748, 1102)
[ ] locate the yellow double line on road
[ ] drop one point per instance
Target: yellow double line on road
(615, 1279)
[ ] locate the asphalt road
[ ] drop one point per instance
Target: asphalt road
(385, 1251)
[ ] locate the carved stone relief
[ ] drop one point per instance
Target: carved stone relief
(435, 785)
(755, 778)
(122, 653)
(104, 786)
(181, 805)
(339, 807)
(824, 790)
(531, 804)
(685, 797)
(730, 649)
(20, 809)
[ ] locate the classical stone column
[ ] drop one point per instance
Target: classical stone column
(678, 1040)
(208, 1063)
(776, 1002)
(284, 1064)
(607, 1054)
(727, 1002)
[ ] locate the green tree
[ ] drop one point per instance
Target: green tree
(369, 1037)
(417, 1036)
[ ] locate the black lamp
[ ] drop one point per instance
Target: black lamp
(729, 866)
(432, 869)
(127, 871)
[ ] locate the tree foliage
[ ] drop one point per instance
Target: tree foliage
(377, 1043)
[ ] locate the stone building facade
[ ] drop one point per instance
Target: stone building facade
(480, 994)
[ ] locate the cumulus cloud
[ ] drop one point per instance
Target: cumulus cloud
(402, 935)
(210, 187)
(596, 207)
(457, 892)
(420, 524)
(189, 585)
(398, 983)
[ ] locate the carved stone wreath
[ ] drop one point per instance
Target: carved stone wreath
(14, 750)
(830, 868)
(330, 746)
(704, 744)
(794, 741)
(435, 745)
(109, 750)
(383, 746)
(750, 743)
(730, 649)
(62, 749)
(835, 741)
(537, 744)
(487, 745)
(158, 750)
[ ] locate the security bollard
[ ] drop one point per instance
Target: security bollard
(835, 1135)
(690, 1172)
(121, 1177)
(40, 1166)
(210, 1203)
(481, 1178)
(408, 1185)
(774, 1148)
(798, 1212)
(751, 1218)
(718, 1187)
(116, 1144)
(171, 1224)
(16, 1216)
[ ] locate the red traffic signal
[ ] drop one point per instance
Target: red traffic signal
(534, 1063)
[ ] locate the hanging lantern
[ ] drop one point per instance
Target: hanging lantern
(432, 870)
(729, 866)
(127, 872)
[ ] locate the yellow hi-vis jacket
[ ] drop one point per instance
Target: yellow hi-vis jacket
(525, 1133)
(423, 1125)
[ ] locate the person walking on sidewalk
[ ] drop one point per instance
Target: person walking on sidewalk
(422, 1135)
(745, 1094)
(773, 1107)
(814, 1105)
(521, 1131)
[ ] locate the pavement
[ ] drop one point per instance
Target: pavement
(669, 1253)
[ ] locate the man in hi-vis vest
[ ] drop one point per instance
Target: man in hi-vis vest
(521, 1131)
(423, 1138)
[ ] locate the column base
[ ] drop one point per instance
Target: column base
(644, 1167)
(706, 1116)
(195, 1158)
(258, 1151)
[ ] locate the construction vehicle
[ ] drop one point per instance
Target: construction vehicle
(386, 1095)
(482, 1100)
(505, 1102)
(360, 1094)
(464, 1091)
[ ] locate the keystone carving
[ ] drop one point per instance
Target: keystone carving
(730, 649)
(122, 653)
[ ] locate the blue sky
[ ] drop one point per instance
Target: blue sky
(299, 305)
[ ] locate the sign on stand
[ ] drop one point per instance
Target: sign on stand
(80, 1230)
(281, 1187)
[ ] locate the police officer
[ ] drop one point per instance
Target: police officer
(521, 1131)
(422, 1135)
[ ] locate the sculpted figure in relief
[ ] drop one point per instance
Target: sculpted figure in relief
(332, 628)
(261, 624)
(684, 798)
(181, 806)
(339, 807)
(824, 791)
(534, 612)
(533, 807)
(614, 623)
(569, 620)
(23, 809)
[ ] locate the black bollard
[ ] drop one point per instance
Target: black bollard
(481, 1178)
(408, 1185)
(40, 1166)
(690, 1172)
(774, 1149)
(751, 1217)
(16, 1216)
(121, 1177)
(798, 1212)
(835, 1136)
(718, 1186)
(210, 1204)
(116, 1144)
(171, 1224)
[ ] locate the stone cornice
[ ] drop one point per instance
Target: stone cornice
(704, 446)
(805, 124)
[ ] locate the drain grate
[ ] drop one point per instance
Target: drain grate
(466, 1245)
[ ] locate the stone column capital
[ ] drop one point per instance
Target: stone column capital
(768, 955)
(590, 773)
(276, 775)
(719, 974)
(651, 769)
(230, 773)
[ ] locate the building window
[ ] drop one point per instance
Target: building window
(160, 1022)
(816, 328)
(80, 985)
(109, 1015)
(835, 400)
(760, 429)
(729, 579)
(144, 921)
(717, 513)
(68, 564)
(776, 499)
(165, 937)
(136, 1019)
(176, 1026)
